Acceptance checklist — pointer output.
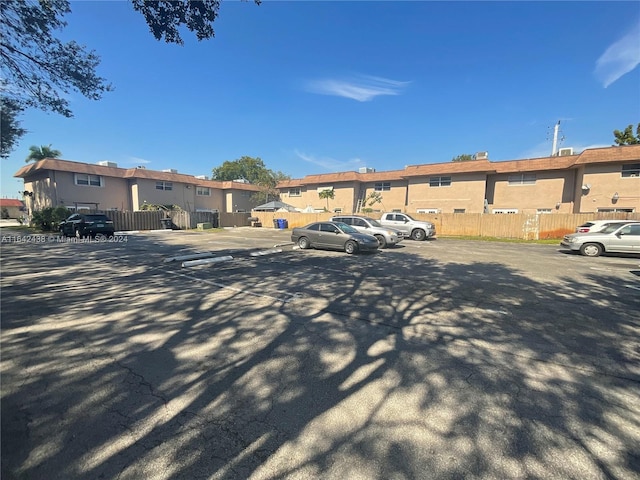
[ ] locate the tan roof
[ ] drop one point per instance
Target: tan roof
(610, 154)
(535, 164)
(472, 166)
(129, 173)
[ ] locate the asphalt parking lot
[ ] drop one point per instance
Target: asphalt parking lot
(432, 360)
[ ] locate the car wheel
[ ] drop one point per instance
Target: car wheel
(418, 235)
(382, 243)
(303, 243)
(350, 247)
(591, 249)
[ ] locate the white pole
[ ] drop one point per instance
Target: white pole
(555, 138)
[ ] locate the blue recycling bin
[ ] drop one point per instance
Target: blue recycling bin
(282, 223)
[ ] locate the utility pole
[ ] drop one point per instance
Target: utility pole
(555, 139)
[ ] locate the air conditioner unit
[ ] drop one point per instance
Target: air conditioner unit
(170, 170)
(563, 152)
(106, 163)
(482, 155)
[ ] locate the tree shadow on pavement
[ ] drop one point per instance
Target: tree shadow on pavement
(304, 364)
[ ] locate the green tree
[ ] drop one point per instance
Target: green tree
(39, 153)
(327, 194)
(10, 129)
(166, 17)
(255, 172)
(465, 157)
(627, 137)
(49, 218)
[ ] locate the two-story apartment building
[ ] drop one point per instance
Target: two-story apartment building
(596, 180)
(105, 186)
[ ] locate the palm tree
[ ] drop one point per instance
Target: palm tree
(328, 194)
(42, 152)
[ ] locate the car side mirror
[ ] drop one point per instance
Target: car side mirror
(406, 221)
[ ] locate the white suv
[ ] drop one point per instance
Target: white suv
(387, 237)
(597, 225)
(616, 237)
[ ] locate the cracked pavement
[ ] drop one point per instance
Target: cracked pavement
(432, 360)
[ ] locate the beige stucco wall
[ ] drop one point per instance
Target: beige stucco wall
(391, 199)
(551, 189)
(113, 194)
(344, 197)
(467, 191)
(215, 201)
(605, 181)
(238, 200)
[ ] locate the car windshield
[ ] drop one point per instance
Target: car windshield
(346, 228)
(373, 222)
(409, 217)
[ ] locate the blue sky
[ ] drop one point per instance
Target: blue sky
(318, 87)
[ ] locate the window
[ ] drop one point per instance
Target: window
(246, 194)
(616, 210)
(459, 210)
(294, 192)
(164, 186)
(203, 191)
(522, 179)
(505, 210)
(543, 210)
(631, 170)
(327, 227)
(315, 227)
(88, 180)
(382, 186)
(428, 210)
(440, 181)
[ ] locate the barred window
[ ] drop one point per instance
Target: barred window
(164, 186)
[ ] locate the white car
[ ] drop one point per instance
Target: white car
(597, 225)
(615, 238)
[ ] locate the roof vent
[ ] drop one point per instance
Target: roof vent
(482, 156)
(106, 163)
(563, 152)
(366, 170)
(202, 177)
(170, 170)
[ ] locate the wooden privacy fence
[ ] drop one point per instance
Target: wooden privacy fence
(155, 220)
(518, 226)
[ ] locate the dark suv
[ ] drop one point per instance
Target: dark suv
(87, 225)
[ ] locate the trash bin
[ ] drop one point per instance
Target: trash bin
(166, 223)
(282, 223)
(275, 222)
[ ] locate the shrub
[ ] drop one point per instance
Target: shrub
(49, 218)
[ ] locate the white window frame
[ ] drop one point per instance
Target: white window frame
(428, 210)
(86, 180)
(162, 185)
(295, 192)
(544, 211)
(522, 179)
(616, 210)
(504, 210)
(440, 181)
(203, 191)
(382, 186)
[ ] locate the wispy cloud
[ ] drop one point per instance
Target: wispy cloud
(138, 160)
(330, 164)
(362, 88)
(620, 58)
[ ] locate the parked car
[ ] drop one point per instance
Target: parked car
(415, 229)
(335, 236)
(87, 225)
(618, 238)
(597, 225)
(387, 237)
